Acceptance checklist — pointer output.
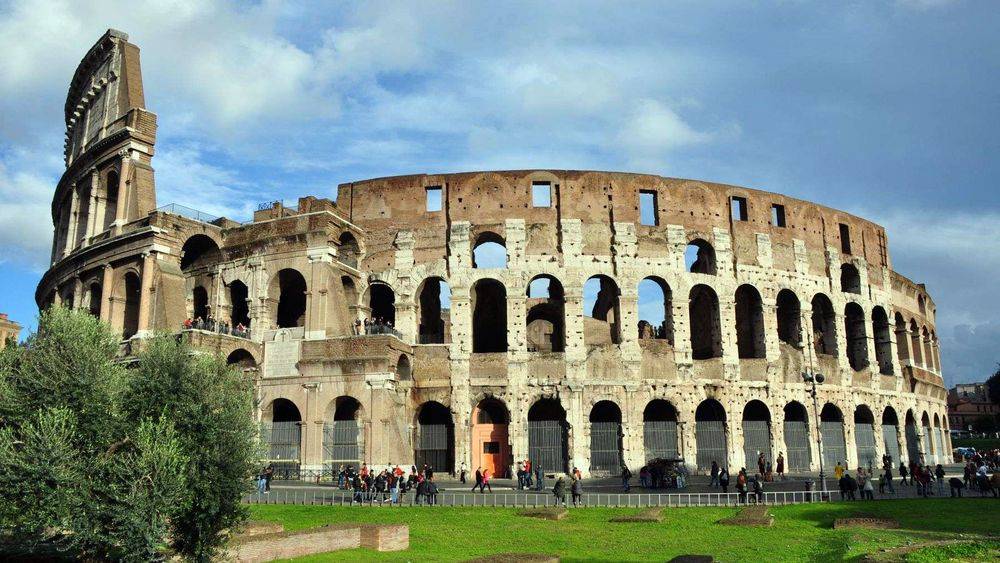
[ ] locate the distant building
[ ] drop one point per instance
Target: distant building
(8, 330)
(968, 402)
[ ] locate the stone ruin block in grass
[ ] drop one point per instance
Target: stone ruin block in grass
(545, 513)
(871, 522)
(331, 537)
(692, 559)
(516, 558)
(756, 515)
(258, 527)
(648, 515)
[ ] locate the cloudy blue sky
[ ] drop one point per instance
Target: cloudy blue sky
(886, 108)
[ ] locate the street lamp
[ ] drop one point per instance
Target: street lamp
(814, 379)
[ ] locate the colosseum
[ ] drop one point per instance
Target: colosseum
(576, 318)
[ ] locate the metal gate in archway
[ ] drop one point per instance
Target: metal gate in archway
(834, 445)
(756, 438)
(284, 445)
(547, 445)
(890, 436)
(939, 445)
(864, 440)
(659, 438)
(434, 447)
(912, 444)
(605, 448)
(343, 444)
(797, 443)
(710, 438)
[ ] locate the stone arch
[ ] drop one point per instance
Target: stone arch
(659, 430)
(282, 432)
(435, 443)
(489, 316)
(548, 435)
(602, 324)
(241, 358)
(850, 279)
(710, 434)
(381, 301)
(348, 249)
(912, 438)
(606, 455)
(110, 198)
(546, 314)
(890, 433)
(824, 324)
(832, 433)
(902, 339)
(789, 313)
(95, 295)
(132, 289)
(915, 346)
(883, 343)
(403, 370)
(199, 252)
(864, 437)
(490, 437)
(797, 439)
(706, 330)
(699, 257)
(434, 311)
(343, 434)
(239, 304)
(489, 251)
(749, 322)
(288, 290)
(857, 340)
(756, 432)
(199, 303)
(928, 352)
(927, 442)
(655, 308)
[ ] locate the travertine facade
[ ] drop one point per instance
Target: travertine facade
(755, 288)
(9, 330)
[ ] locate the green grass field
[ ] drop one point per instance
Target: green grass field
(800, 532)
(981, 444)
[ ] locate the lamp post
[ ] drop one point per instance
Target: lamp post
(814, 379)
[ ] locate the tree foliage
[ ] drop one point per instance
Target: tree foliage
(993, 386)
(103, 461)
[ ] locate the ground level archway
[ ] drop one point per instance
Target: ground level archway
(435, 443)
(710, 434)
(490, 437)
(548, 436)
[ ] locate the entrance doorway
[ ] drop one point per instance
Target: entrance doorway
(490, 440)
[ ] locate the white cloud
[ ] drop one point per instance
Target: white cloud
(25, 217)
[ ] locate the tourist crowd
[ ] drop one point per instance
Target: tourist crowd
(222, 327)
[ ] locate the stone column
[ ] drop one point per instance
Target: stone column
(146, 293)
(107, 285)
(850, 442)
(123, 190)
(576, 351)
(74, 209)
(92, 196)
(77, 292)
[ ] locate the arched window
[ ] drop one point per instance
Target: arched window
(864, 437)
(928, 353)
(699, 257)
(110, 199)
(656, 318)
(382, 302)
(706, 332)
(489, 316)
(548, 436)
(289, 288)
(824, 324)
(789, 313)
(199, 302)
(605, 438)
(130, 322)
(832, 430)
(915, 345)
(435, 311)
(710, 434)
(797, 438)
(239, 302)
(749, 322)
(199, 251)
(489, 251)
(850, 279)
(902, 340)
(883, 344)
(348, 250)
(756, 433)
(94, 297)
(601, 309)
(403, 370)
(857, 340)
(241, 358)
(659, 430)
(546, 320)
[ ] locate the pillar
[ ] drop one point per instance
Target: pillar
(123, 191)
(145, 293)
(74, 209)
(107, 285)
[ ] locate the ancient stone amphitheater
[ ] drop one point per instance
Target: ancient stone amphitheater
(577, 318)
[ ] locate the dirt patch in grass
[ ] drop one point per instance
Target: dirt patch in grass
(960, 549)
(757, 515)
(871, 522)
(654, 514)
(516, 558)
(545, 513)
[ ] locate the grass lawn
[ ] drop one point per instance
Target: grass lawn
(800, 532)
(981, 444)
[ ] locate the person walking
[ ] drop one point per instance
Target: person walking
(868, 491)
(939, 475)
(520, 475)
(741, 484)
(724, 480)
(761, 462)
(715, 474)
(527, 473)
(268, 475)
(431, 490)
(838, 471)
(780, 466)
(758, 489)
(479, 480)
(486, 480)
(902, 475)
(888, 477)
(956, 487)
(261, 482)
(539, 477)
(559, 490)
(626, 477)
(461, 472)
(577, 490)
